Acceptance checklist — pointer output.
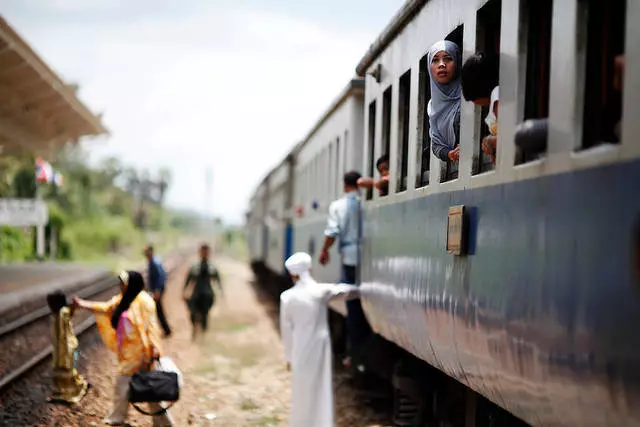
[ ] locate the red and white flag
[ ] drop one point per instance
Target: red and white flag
(44, 171)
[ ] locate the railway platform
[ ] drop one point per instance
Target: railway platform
(23, 287)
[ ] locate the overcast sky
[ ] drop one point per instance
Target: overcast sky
(226, 84)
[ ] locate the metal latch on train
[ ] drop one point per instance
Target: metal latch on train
(457, 230)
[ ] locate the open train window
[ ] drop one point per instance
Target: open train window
(372, 144)
(386, 124)
(487, 43)
(403, 130)
(337, 176)
(424, 141)
(345, 144)
(536, 17)
(605, 29)
(449, 170)
(330, 174)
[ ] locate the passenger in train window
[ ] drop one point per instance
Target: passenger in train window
(480, 79)
(444, 106)
(382, 184)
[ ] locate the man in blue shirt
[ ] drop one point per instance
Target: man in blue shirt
(156, 279)
(344, 226)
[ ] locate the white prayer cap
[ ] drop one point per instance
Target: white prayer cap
(298, 263)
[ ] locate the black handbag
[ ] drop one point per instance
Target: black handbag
(155, 387)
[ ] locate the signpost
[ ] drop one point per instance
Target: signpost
(24, 213)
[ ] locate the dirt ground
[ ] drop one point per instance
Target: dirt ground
(234, 375)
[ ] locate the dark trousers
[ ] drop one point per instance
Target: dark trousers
(199, 306)
(358, 328)
(161, 317)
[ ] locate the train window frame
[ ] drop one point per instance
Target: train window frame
(331, 176)
(371, 143)
(598, 69)
(403, 130)
(423, 147)
(488, 26)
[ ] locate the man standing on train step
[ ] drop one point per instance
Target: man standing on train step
(307, 344)
(344, 225)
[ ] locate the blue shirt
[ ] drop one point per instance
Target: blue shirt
(157, 275)
(343, 224)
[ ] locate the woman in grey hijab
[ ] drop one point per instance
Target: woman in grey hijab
(444, 107)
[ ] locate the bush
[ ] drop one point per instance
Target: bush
(15, 244)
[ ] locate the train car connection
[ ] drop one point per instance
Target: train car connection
(505, 291)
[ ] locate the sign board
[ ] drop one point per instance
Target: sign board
(23, 212)
(455, 230)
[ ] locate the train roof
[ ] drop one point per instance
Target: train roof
(397, 24)
(355, 85)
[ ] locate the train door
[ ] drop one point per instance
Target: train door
(288, 241)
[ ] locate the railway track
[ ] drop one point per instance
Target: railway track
(26, 341)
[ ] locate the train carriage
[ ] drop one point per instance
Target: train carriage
(538, 314)
(501, 289)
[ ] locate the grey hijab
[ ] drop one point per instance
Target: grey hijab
(444, 105)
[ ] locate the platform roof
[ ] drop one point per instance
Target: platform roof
(38, 110)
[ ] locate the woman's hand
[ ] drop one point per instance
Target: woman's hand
(77, 302)
(454, 155)
(489, 144)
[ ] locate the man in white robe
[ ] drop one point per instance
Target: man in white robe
(307, 343)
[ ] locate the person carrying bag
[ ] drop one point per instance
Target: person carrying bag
(128, 326)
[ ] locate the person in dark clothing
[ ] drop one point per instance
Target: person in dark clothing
(157, 279)
(199, 294)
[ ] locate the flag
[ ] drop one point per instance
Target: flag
(44, 171)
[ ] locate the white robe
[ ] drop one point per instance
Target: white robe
(305, 334)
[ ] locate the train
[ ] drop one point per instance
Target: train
(506, 292)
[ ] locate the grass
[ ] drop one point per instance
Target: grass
(248, 405)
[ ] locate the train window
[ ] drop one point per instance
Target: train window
(330, 174)
(372, 143)
(605, 29)
(337, 176)
(535, 38)
(403, 130)
(386, 121)
(424, 149)
(449, 170)
(488, 43)
(344, 155)
(386, 124)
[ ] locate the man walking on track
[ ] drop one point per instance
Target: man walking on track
(198, 290)
(157, 279)
(343, 225)
(307, 345)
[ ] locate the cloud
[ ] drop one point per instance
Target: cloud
(231, 88)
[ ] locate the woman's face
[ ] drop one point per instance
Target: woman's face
(443, 67)
(122, 287)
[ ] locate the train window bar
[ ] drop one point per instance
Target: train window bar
(386, 125)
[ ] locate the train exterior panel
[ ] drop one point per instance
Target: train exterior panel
(331, 148)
